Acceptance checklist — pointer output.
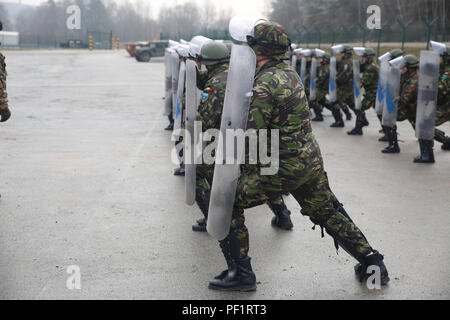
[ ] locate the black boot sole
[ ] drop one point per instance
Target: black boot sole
(282, 227)
(242, 288)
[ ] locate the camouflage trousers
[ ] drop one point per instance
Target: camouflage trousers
(367, 103)
(345, 98)
(204, 178)
(307, 182)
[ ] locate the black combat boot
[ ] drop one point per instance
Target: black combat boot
(318, 112)
(169, 127)
(347, 112)
(202, 200)
(179, 171)
(365, 122)
(374, 258)
(339, 123)
(200, 225)
(426, 152)
(238, 277)
(446, 145)
(282, 217)
(356, 131)
(393, 143)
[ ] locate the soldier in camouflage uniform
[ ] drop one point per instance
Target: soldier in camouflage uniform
(407, 107)
(443, 103)
(344, 84)
(322, 82)
(369, 82)
(215, 56)
(279, 102)
(5, 114)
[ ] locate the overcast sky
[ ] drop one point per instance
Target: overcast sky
(244, 7)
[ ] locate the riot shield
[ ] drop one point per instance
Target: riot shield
(189, 144)
(177, 116)
(168, 83)
(175, 62)
(303, 70)
(357, 84)
(332, 84)
(294, 61)
(234, 116)
(392, 95)
(427, 94)
(381, 90)
(312, 80)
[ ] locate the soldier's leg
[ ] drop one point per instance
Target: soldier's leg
(337, 114)
(282, 214)
(361, 120)
(202, 194)
(170, 126)
(393, 146)
(179, 146)
(317, 111)
(239, 276)
(319, 203)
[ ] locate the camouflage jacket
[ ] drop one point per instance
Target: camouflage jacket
(212, 84)
(3, 74)
(344, 74)
(370, 80)
(279, 102)
(443, 103)
(407, 101)
(323, 77)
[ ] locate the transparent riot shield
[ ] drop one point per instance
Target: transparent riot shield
(303, 70)
(190, 139)
(381, 90)
(312, 80)
(294, 61)
(427, 95)
(178, 115)
(168, 83)
(175, 62)
(392, 94)
(357, 84)
(332, 85)
(234, 117)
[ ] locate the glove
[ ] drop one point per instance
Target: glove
(5, 114)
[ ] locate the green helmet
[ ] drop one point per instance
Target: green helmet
(411, 61)
(369, 53)
(269, 39)
(229, 45)
(326, 56)
(214, 53)
(396, 53)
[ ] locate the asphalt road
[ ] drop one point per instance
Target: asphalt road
(86, 180)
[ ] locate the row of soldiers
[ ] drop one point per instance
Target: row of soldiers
(360, 84)
(5, 113)
(252, 86)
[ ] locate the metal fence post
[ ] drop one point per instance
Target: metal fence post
(380, 32)
(429, 25)
(319, 36)
(307, 36)
(404, 30)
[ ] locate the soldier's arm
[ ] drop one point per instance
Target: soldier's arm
(408, 96)
(261, 107)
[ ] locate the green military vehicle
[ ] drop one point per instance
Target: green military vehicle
(154, 48)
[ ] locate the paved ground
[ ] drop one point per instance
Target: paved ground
(86, 180)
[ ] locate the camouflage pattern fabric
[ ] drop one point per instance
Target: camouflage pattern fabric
(370, 83)
(344, 81)
(407, 103)
(272, 40)
(3, 74)
(323, 76)
(279, 102)
(213, 85)
(443, 104)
